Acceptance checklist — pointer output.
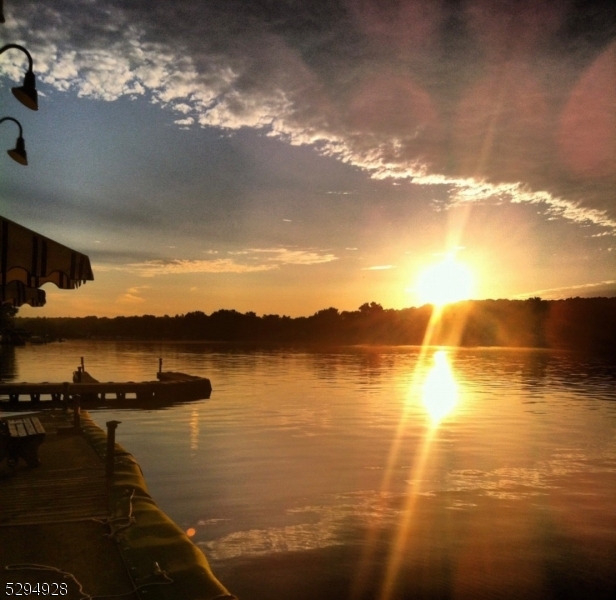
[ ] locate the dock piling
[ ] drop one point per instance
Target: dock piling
(110, 459)
(66, 396)
(76, 411)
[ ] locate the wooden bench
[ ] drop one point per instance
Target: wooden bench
(21, 439)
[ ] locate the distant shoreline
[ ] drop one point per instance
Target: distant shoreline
(586, 324)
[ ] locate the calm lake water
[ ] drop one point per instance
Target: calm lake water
(375, 472)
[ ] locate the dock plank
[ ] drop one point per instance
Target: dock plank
(70, 485)
(47, 518)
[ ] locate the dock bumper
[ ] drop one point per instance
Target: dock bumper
(159, 556)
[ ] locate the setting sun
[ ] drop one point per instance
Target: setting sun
(445, 282)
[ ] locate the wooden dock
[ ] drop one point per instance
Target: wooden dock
(76, 529)
(169, 387)
(53, 509)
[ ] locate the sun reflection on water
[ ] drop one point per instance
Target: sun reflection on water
(194, 430)
(440, 390)
(435, 388)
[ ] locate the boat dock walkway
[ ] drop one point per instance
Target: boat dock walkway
(71, 527)
(168, 386)
(49, 518)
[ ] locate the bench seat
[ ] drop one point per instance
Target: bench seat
(21, 439)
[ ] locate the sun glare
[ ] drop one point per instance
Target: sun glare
(440, 391)
(445, 282)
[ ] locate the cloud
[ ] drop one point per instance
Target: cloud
(293, 257)
(601, 288)
(129, 299)
(154, 268)
(471, 191)
(132, 295)
(379, 268)
(385, 87)
(253, 260)
(186, 121)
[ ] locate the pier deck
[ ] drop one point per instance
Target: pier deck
(56, 521)
(48, 517)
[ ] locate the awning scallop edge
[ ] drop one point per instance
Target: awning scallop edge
(31, 260)
(17, 294)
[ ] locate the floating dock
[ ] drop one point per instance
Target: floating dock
(169, 387)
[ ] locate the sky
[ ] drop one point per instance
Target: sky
(288, 156)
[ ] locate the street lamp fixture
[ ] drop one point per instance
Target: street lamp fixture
(26, 94)
(18, 154)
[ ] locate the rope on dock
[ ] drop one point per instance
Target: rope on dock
(130, 519)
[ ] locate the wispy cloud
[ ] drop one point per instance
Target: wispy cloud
(293, 257)
(130, 299)
(253, 260)
(379, 268)
(154, 268)
(471, 191)
(132, 295)
(560, 292)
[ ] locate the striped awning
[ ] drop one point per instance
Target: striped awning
(28, 260)
(16, 294)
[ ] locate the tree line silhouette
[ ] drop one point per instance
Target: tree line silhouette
(587, 324)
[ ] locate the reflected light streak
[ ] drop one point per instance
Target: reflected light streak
(439, 395)
(438, 392)
(194, 430)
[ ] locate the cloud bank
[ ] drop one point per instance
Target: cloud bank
(455, 94)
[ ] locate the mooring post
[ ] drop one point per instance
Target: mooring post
(82, 366)
(160, 365)
(65, 395)
(76, 411)
(111, 427)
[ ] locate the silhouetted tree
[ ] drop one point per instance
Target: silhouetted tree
(586, 324)
(7, 321)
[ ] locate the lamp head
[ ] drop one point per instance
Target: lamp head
(26, 94)
(18, 154)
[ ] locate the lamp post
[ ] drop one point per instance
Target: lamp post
(26, 93)
(18, 154)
